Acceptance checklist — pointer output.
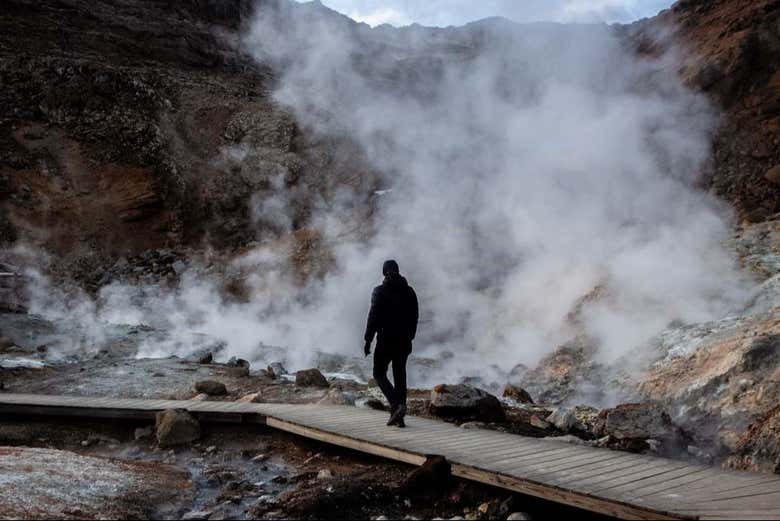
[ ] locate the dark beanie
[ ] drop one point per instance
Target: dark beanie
(390, 266)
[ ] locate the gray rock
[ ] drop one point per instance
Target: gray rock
(324, 474)
(237, 367)
(211, 388)
(196, 515)
(179, 267)
(176, 427)
(563, 419)
(636, 421)
(276, 369)
(466, 402)
(310, 378)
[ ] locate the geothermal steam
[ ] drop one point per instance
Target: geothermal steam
(523, 166)
(528, 165)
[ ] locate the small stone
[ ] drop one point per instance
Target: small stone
(260, 458)
(324, 474)
(517, 394)
(563, 419)
(211, 388)
(179, 267)
(196, 515)
(210, 449)
(539, 423)
(201, 397)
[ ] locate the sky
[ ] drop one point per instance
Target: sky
(458, 12)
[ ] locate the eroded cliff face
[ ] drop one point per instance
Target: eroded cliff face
(136, 126)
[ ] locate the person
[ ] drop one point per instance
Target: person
(393, 319)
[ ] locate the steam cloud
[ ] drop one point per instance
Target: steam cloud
(526, 166)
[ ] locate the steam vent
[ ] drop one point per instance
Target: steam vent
(282, 259)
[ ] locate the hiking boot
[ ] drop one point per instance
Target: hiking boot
(393, 416)
(397, 415)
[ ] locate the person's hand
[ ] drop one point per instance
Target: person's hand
(367, 348)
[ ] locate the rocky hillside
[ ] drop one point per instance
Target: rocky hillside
(732, 52)
(122, 124)
(132, 126)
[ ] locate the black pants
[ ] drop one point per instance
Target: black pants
(391, 351)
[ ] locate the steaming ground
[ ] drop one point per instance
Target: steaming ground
(522, 168)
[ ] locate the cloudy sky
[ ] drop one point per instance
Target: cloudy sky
(458, 12)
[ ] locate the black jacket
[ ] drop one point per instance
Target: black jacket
(394, 312)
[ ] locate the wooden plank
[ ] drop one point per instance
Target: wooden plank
(344, 441)
(593, 504)
(520, 452)
(676, 484)
(612, 483)
(715, 483)
(583, 461)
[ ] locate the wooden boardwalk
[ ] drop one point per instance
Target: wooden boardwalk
(614, 483)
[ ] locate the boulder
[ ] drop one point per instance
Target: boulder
(465, 402)
(176, 427)
(517, 394)
(237, 367)
(636, 421)
(433, 475)
(276, 370)
(310, 378)
(211, 388)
